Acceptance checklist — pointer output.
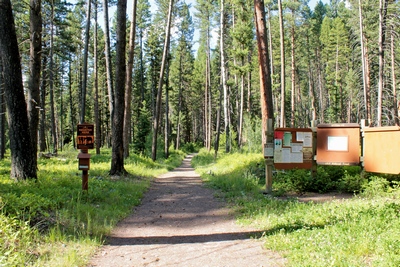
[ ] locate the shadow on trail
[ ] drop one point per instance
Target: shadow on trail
(185, 239)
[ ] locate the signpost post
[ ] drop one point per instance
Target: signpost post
(85, 141)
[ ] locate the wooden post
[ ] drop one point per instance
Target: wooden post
(269, 162)
(314, 149)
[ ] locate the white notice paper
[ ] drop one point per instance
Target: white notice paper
(338, 143)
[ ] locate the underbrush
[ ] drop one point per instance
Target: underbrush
(52, 222)
(362, 231)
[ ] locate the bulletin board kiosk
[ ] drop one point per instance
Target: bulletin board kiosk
(338, 144)
(293, 148)
(381, 149)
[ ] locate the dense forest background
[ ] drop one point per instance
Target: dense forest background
(336, 63)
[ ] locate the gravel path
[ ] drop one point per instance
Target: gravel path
(181, 223)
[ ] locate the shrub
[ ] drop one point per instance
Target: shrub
(351, 183)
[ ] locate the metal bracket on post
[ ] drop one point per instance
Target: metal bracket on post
(269, 162)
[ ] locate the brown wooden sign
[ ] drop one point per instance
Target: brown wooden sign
(85, 136)
(338, 144)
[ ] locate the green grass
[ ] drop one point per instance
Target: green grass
(52, 222)
(362, 231)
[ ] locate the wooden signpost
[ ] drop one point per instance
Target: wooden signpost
(85, 141)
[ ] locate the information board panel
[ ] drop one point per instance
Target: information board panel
(85, 136)
(293, 148)
(381, 149)
(338, 144)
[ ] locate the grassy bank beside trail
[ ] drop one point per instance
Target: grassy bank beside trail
(51, 222)
(361, 231)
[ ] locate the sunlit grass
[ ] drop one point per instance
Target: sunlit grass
(362, 231)
(52, 222)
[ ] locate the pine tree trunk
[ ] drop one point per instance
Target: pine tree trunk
(282, 48)
(2, 115)
(42, 126)
(394, 80)
(117, 159)
(85, 63)
(128, 85)
(381, 44)
(109, 72)
(293, 78)
(265, 73)
(156, 120)
(224, 78)
(23, 165)
(35, 68)
(96, 84)
(51, 83)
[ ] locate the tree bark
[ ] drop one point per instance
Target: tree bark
(365, 66)
(23, 165)
(2, 115)
(51, 83)
(42, 126)
(264, 64)
(109, 73)
(293, 75)
(128, 85)
(381, 44)
(156, 120)
(85, 63)
(282, 48)
(394, 80)
(224, 78)
(96, 84)
(35, 68)
(117, 160)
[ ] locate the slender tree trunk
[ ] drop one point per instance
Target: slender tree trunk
(23, 165)
(381, 44)
(2, 115)
(35, 68)
(156, 120)
(394, 80)
(71, 105)
(96, 85)
(128, 85)
(293, 77)
(207, 94)
(240, 130)
(109, 72)
(179, 111)
(117, 159)
(51, 83)
(85, 63)
(224, 78)
(265, 73)
(364, 61)
(42, 127)
(218, 128)
(166, 133)
(282, 47)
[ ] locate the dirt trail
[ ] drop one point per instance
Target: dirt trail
(181, 223)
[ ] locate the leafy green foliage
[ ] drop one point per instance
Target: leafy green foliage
(53, 222)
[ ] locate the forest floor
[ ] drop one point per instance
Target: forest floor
(182, 223)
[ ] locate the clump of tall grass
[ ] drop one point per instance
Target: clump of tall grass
(52, 222)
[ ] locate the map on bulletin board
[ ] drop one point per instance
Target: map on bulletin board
(293, 148)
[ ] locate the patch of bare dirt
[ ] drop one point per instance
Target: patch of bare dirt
(181, 223)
